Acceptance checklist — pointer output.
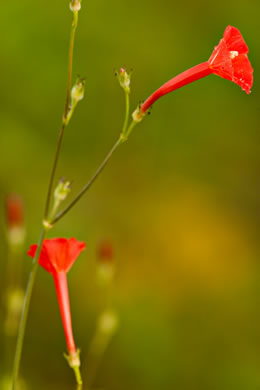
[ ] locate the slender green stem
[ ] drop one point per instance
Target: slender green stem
(54, 209)
(30, 284)
(70, 112)
(127, 107)
(130, 129)
(47, 206)
(70, 63)
(25, 310)
(66, 118)
(77, 375)
(89, 183)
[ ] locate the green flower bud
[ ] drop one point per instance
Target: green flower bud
(78, 90)
(75, 5)
(124, 79)
(62, 190)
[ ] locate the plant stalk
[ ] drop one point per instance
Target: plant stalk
(25, 310)
(30, 284)
(88, 185)
(66, 116)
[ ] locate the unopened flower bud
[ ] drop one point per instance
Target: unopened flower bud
(106, 266)
(78, 90)
(14, 211)
(105, 252)
(75, 5)
(60, 194)
(15, 219)
(62, 190)
(124, 79)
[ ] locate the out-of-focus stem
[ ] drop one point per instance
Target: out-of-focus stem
(107, 326)
(97, 351)
(30, 284)
(129, 130)
(25, 310)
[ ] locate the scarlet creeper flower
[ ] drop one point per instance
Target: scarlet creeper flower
(105, 263)
(228, 60)
(57, 257)
(105, 252)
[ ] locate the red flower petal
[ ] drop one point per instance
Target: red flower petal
(243, 72)
(229, 59)
(234, 40)
(58, 254)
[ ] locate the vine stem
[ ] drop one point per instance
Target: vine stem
(89, 183)
(31, 280)
(66, 117)
(25, 310)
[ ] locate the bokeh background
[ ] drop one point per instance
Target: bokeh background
(179, 201)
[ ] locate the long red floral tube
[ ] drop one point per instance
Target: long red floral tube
(57, 257)
(61, 285)
(228, 60)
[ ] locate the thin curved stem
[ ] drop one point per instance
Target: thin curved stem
(88, 185)
(120, 140)
(65, 119)
(25, 310)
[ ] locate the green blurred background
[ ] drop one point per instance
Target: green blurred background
(179, 201)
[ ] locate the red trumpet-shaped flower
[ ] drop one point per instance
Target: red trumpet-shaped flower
(228, 60)
(56, 257)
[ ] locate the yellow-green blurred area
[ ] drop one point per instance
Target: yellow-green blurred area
(179, 201)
